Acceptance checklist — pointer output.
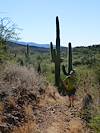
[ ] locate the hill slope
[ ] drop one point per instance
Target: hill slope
(28, 104)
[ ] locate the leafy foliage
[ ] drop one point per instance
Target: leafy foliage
(8, 31)
(95, 123)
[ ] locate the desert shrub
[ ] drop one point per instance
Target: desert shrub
(97, 72)
(97, 76)
(52, 69)
(95, 123)
(18, 77)
(76, 63)
(20, 61)
(39, 58)
(19, 87)
(44, 68)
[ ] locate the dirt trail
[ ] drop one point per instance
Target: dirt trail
(56, 117)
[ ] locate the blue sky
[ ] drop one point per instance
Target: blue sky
(79, 20)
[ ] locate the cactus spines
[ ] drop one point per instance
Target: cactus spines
(55, 54)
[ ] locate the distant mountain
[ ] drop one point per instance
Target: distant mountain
(33, 44)
(34, 47)
(20, 47)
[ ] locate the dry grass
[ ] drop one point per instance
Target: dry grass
(1, 111)
(28, 110)
(14, 78)
(21, 89)
(76, 126)
(29, 127)
(1, 107)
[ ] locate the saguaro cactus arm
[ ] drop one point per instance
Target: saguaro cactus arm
(69, 58)
(69, 61)
(64, 70)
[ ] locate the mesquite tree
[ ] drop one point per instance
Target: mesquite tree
(8, 32)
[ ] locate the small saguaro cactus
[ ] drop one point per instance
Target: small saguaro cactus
(39, 68)
(52, 52)
(55, 54)
(27, 51)
(69, 61)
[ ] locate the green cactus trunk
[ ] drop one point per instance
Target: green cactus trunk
(57, 61)
(55, 54)
(69, 58)
(52, 52)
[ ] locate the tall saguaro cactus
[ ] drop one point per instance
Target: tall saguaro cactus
(69, 61)
(55, 54)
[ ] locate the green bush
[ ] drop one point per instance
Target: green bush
(95, 124)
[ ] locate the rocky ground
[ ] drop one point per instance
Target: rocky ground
(50, 115)
(34, 106)
(56, 117)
